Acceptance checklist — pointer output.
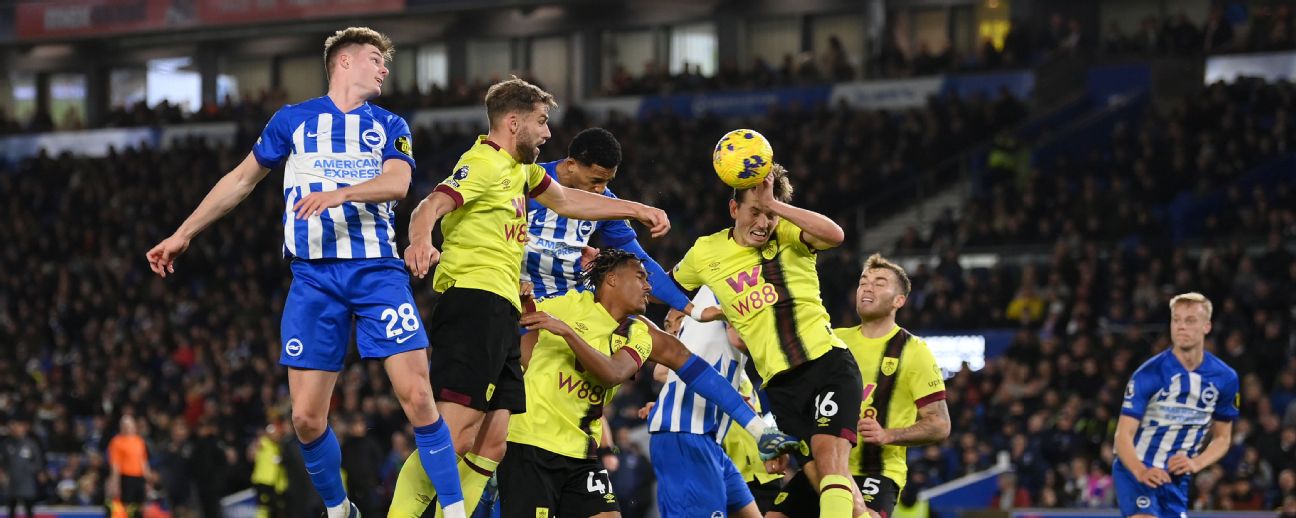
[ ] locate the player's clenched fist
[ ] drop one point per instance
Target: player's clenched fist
(161, 258)
(655, 219)
(421, 256)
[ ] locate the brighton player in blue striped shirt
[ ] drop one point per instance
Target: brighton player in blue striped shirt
(1172, 400)
(553, 252)
(695, 477)
(346, 163)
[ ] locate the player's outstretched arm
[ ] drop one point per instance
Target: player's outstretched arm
(707, 382)
(577, 204)
(609, 370)
(421, 255)
(391, 185)
(223, 197)
(1149, 476)
(818, 231)
(1220, 441)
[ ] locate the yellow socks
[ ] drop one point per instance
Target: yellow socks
(474, 472)
(414, 492)
(835, 497)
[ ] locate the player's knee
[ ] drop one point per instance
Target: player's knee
(309, 425)
(416, 399)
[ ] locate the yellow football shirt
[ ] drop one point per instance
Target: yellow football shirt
(565, 402)
(916, 381)
(486, 235)
(769, 294)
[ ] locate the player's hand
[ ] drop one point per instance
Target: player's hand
(161, 258)
(317, 202)
(541, 320)
(765, 191)
(420, 256)
(773, 443)
(713, 314)
(526, 295)
(1154, 477)
(643, 412)
(1181, 464)
(655, 219)
(587, 255)
(872, 432)
(610, 462)
(777, 465)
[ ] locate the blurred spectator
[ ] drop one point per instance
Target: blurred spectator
(361, 458)
(23, 466)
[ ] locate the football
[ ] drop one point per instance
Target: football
(742, 158)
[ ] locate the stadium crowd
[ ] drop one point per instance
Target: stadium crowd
(95, 336)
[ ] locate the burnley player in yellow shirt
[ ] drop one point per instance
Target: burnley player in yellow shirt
(475, 372)
(904, 395)
(763, 272)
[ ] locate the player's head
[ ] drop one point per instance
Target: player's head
(592, 160)
(127, 426)
(673, 322)
(618, 279)
(520, 110)
(1190, 320)
(754, 222)
(357, 57)
(883, 289)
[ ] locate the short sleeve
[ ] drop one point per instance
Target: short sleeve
(925, 380)
(1230, 401)
(686, 272)
(639, 343)
(789, 235)
(1138, 392)
(614, 233)
(537, 180)
(469, 180)
(275, 143)
(400, 142)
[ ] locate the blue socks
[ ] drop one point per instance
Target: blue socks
(436, 452)
(324, 465)
(707, 382)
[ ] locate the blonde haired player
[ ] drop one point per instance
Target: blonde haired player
(346, 164)
(1171, 402)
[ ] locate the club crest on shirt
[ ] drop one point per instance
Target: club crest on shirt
(374, 139)
(1210, 394)
(889, 366)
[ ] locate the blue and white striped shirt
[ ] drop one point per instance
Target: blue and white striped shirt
(553, 250)
(323, 149)
(679, 408)
(1175, 407)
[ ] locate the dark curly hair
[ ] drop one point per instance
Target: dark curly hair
(595, 146)
(607, 260)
